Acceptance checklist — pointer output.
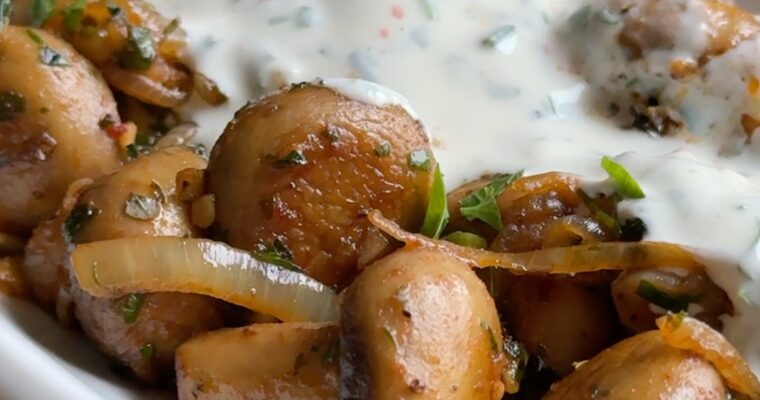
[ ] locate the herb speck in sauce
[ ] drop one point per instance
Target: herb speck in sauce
(139, 52)
(78, 217)
(131, 306)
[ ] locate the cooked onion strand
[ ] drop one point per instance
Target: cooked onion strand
(691, 334)
(118, 267)
(558, 260)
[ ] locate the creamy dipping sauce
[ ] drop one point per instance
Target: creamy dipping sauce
(510, 104)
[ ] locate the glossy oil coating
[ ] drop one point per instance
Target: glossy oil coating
(306, 165)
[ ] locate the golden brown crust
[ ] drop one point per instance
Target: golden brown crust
(306, 165)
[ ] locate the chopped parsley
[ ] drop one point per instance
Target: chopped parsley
(292, 159)
(437, 215)
(48, 56)
(331, 352)
(671, 302)
(132, 151)
(625, 185)
(498, 36)
(466, 239)
(598, 213)
(144, 208)
(147, 351)
(41, 11)
(277, 254)
(73, 14)
(383, 150)
(78, 217)
(419, 160)
(139, 52)
(482, 204)
(491, 336)
(11, 104)
(5, 13)
(131, 307)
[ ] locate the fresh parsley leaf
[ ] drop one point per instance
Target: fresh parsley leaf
(498, 36)
(147, 351)
(35, 37)
(292, 159)
(131, 307)
(466, 239)
(437, 215)
(383, 150)
(143, 208)
(674, 303)
(139, 52)
(277, 254)
(73, 14)
(78, 217)
(41, 11)
(482, 204)
(625, 185)
(598, 213)
(491, 336)
(11, 104)
(5, 13)
(419, 160)
(132, 151)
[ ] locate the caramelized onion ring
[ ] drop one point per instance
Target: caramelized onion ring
(558, 260)
(145, 89)
(114, 268)
(691, 334)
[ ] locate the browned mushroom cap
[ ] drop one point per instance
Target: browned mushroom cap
(51, 104)
(420, 324)
(302, 168)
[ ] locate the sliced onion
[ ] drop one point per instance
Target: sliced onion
(572, 229)
(145, 89)
(114, 268)
(693, 335)
(178, 136)
(208, 90)
(558, 260)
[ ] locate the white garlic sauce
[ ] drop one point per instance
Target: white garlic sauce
(515, 105)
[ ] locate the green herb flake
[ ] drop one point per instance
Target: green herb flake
(608, 16)
(292, 159)
(383, 150)
(491, 336)
(466, 239)
(73, 14)
(5, 13)
(331, 352)
(419, 160)
(518, 359)
(11, 105)
(437, 215)
(299, 363)
(41, 11)
(389, 335)
(625, 185)
(147, 352)
(427, 6)
(598, 213)
(132, 151)
(35, 37)
(106, 122)
(482, 204)
(673, 303)
(277, 254)
(52, 58)
(498, 36)
(130, 308)
(79, 216)
(143, 208)
(139, 52)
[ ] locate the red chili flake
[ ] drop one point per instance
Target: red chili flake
(384, 33)
(397, 11)
(116, 130)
